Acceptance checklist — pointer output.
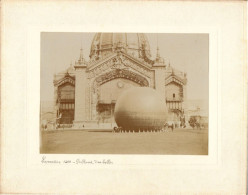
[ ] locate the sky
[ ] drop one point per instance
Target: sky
(186, 52)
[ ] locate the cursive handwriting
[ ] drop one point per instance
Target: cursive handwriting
(76, 161)
(43, 160)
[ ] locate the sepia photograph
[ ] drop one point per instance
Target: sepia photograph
(124, 93)
(123, 97)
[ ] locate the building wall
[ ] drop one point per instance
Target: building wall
(173, 91)
(103, 84)
(111, 90)
(67, 91)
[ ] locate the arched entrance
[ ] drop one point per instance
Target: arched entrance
(107, 88)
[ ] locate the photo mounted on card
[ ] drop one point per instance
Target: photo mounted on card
(123, 97)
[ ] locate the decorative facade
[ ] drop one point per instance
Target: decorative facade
(85, 94)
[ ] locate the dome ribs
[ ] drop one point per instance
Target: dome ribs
(134, 44)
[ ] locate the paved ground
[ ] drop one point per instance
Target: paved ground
(180, 141)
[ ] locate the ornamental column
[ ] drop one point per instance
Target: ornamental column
(159, 68)
(80, 96)
(185, 98)
(55, 101)
(160, 79)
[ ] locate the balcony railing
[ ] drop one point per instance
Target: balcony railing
(172, 105)
(67, 100)
(174, 99)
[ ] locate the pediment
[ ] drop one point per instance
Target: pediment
(120, 61)
(176, 79)
(67, 79)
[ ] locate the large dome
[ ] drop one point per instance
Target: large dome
(136, 44)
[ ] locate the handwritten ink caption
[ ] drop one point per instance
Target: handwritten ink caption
(76, 161)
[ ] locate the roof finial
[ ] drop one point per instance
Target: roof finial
(159, 59)
(67, 73)
(172, 72)
(81, 54)
(81, 51)
(158, 54)
(157, 39)
(81, 60)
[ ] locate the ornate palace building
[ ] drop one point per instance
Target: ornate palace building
(85, 94)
